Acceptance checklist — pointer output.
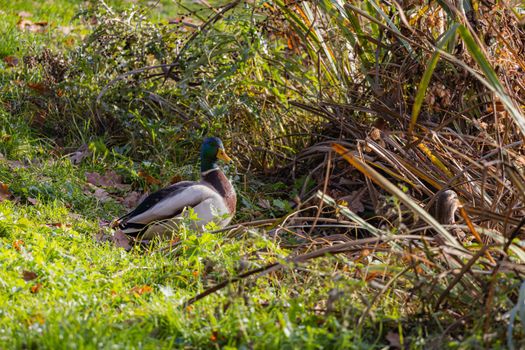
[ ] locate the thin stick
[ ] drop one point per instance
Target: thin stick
(459, 276)
(325, 187)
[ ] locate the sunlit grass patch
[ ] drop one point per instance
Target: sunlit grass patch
(62, 286)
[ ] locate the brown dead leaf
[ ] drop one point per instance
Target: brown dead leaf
(4, 192)
(29, 275)
(500, 107)
(214, 336)
(150, 180)
(39, 118)
(102, 237)
(375, 134)
(371, 275)
(419, 257)
(175, 178)
(131, 200)
(121, 240)
(11, 61)
(39, 87)
(174, 241)
(70, 41)
(139, 290)
(33, 201)
(109, 179)
(354, 200)
(41, 23)
(59, 225)
(101, 195)
(36, 288)
(18, 244)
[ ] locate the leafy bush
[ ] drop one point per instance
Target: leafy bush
(153, 88)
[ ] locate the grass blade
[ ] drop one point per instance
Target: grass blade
(425, 80)
(493, 82)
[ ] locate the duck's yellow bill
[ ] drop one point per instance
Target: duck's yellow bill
(221, 154)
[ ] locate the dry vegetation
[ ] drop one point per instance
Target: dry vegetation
(424, 104)
(420, 100)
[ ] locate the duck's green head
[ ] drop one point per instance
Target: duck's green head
(212, 149)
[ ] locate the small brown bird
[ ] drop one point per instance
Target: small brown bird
(445, 207)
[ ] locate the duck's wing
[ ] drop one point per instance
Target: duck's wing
(164, 204)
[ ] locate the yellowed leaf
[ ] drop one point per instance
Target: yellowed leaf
(150, 180)
(36, 288)
(4, 192)
(140, 290)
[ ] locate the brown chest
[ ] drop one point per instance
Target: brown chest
(223, 186)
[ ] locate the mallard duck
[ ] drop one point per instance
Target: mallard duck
(212, 198)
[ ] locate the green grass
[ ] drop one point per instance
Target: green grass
(94, 295)
(90, 294)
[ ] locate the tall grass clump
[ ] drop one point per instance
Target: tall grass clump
(424, 115)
